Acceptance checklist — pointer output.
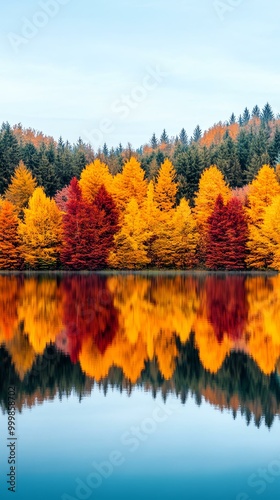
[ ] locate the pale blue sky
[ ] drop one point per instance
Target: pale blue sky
(87, 71)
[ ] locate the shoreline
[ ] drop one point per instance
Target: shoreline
(141, 272)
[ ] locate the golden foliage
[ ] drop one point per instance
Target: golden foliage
(41, 231)
(93, 177)
(21, 187)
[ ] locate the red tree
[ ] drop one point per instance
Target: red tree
(227, 305)
(227, 236)
(88, 229)
(106, 224)
(88, 312)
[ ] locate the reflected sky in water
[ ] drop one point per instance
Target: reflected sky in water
(176, 376)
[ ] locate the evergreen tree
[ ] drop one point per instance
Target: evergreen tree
(164, 137)
(159, 157)
(274, 148)
(154, 141)
(232, 119)
(197, 134)
(105, 150)
(9, 155)
(267, 114)
(246, 116)
(256, 112)
(183, 137)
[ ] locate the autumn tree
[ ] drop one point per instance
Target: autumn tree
(131, 241)
(227, 236)
(9, 239)
(211, 185)
(40, 232)
(93, 177)
(177, 239)
(166, 186)
(131, 183)
(105, 224)
(61, 198)
(261, 193)
(21, 188)
(88, 229)
(267, 237)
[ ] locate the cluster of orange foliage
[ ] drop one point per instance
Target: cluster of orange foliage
(216, 134)
(153, 229)
(30, 135)
(125, 321)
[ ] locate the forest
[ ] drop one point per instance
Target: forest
(209, 201)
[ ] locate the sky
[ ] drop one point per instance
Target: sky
(118, 71)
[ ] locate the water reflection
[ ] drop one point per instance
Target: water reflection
(215, 336)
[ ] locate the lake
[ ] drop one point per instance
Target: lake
(147, 385)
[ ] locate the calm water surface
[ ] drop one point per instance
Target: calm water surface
(140, 386)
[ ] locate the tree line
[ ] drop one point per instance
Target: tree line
(208, 202)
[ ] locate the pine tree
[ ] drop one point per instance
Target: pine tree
(197, 134)
(154, 141)
(232, 119)
(105, 150)
(274, 148)
(256, 112)
(183, 137)
(9, 155)
(164, 137)
(246, 116)
(267, 114)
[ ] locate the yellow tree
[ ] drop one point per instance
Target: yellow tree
(267, 237)
(130, 242)
(130, 184)
(211, 184)
(153, 217)
(93, 177)
(166, 187)
(22, 186)
(177, 238)
(261, 193)
(41, 231)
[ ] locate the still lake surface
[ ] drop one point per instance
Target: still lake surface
(155, 386)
